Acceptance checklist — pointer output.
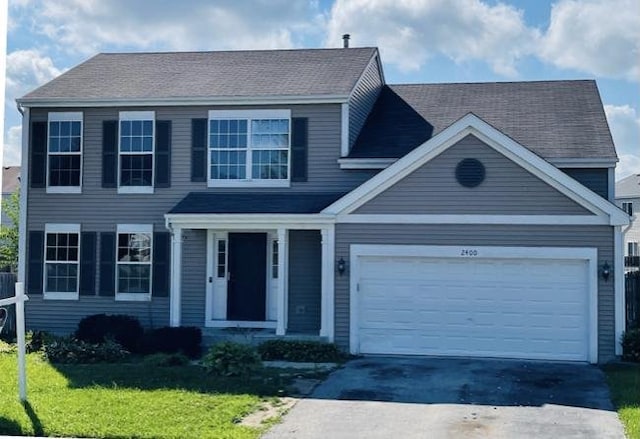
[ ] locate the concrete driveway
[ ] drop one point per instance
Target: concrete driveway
(401, 397)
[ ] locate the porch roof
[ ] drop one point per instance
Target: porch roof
(257, 202)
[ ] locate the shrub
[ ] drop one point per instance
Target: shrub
(631, 345)
(36, 340)
(7, 348)
(232, 359)
(300, 351)
(168, 340)
(72, 351)
(166, 360)
(123, 329)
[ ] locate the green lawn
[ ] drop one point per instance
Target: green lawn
(624, 381)
(129, 400)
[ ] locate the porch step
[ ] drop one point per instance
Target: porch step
(211, 336)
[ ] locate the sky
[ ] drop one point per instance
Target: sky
(420, 41)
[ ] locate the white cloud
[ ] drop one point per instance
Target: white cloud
(86, 26)
(12, 146)
(27, 69)
(410, 32)
(624, 122)
(600, 38)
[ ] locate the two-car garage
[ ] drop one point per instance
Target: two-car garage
(508, 302)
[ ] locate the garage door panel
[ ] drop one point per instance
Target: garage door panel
(523, 308)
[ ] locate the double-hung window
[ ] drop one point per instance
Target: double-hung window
(64, 152)
(628, 207)
(135, 151)
(632, 248)
(133, 260)
(61, 261)
(249, 147)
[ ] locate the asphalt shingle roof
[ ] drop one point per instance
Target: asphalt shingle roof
(10, 179)
(554, 119)
(628, 187)
(208, 202)
(253, 73)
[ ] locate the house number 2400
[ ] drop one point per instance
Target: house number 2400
(468, 252)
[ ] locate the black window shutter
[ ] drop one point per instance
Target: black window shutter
(35, 269)
(88, 264)
(163, 154)
(161, 261)
(299, 148)
(38, 159)
(107, 264)
(109, 153)
(198, 150)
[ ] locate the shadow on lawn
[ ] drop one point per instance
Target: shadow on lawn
(190, 378)
(33, 417)
(9, 427)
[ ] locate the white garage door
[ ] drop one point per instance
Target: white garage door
(511, 308)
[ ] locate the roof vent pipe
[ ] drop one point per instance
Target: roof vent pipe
(345, 41)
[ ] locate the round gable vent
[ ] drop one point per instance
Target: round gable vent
(470, 172)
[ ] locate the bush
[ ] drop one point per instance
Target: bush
(168, 340)
(166, 360)
(36, 340)
(300, 351)
(631, 345)
(232, 359)
(123, 329)
(72, 351)
(8, 348)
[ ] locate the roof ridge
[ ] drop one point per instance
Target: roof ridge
(535, 81)
(180, 52)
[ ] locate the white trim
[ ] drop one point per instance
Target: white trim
(618, 287)
(61, 295)
(471, 124)
(61, 228)
(133, 297)
(283, 296)
(63, 189)
(344, 130)
(247, 221)
(144, 102)
(327, 321)
(368, 163)
(175, 294)
(65, 116)
(249, 114)
(583, 253)
(240, 324)
(210, 279)
(134, 189)
(24, 193)
(52, 228)
(473, 219)
(137, 115)
(611, 184)
(249, 183)
(134, 228)
(582, 163)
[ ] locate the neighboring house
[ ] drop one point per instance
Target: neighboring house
(294, 191)
(10, 184)
(628, 199)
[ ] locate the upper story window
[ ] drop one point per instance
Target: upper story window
(135, 151)
(64, 152)
(133, 274)
(249, 147)
(61, 261)
(628, 207)
(632, 248)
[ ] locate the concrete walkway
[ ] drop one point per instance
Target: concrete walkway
(386, 397)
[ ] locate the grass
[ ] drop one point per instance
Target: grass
(624, 382)
(130, 400)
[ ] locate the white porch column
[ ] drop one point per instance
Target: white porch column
(618, 286)
(176, 277)
(283, 294)
(328, 282)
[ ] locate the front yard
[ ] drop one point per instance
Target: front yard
(130, 400)
(624, 382)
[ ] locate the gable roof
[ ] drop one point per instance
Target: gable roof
(472, 124)
(10, 179)
(248, 203)
(205, 75)
(628, 187)
(553, 119)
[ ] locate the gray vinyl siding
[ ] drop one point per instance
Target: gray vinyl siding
(62, 316)
(305, 279)
(363, 98)
(507, 189)
(194, 277)
(600, 237)
(596, 179)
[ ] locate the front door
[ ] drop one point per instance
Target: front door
(247, 275)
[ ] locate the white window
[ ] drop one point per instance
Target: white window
(221, 269)
(274, 259)
(249, 147)
(632, 248)
(136, 142)
(628, 207)
(61, 261)
(133, 261)
(64, 152)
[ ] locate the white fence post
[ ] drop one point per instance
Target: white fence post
(22, 375)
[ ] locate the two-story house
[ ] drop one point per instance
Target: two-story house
(297, 193)
(628, 199)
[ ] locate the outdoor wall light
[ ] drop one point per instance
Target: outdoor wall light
(342, 266)
(606, 271)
